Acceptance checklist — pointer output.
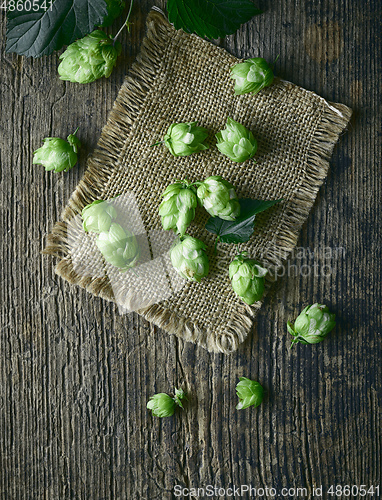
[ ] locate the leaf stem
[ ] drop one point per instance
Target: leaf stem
(216, 245)
(275, 61)
(157, 143)
(126, 23)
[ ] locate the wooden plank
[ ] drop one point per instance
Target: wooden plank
(75, 375)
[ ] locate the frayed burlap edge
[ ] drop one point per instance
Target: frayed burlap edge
(109, 151)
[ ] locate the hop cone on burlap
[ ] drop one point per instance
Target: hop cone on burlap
(236, 142)
(119, 247)
(312, 325)
(249, 392)
(163, 405)
(252, 76)
(57, 154)
(183, 139)
(219, 198)
(247, 278)
(98, 216)
(114, 9)
(177, 209)
(89, 58)
(189, 258)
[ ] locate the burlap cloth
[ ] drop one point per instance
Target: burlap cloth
(181, 78)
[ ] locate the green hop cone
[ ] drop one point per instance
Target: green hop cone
(119, 247)
(98, 216)
(247, 278)
(189, 258)
(177, 209)
(114, 9)
(89, 58)
(163, 405)
(249, 392)
(183, 139)
(57, 154)
(236, 142)
(219, 198)
(312, 325)
(252, 76)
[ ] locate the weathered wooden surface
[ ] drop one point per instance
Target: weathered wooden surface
(75, 375)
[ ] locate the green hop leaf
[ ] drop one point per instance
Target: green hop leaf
(57, 154)
(247, 278)
(163, 405)
(179, 395)
(252, 76)
(212, 19)
(177, 209)
(219, 198)
(119, 247)
(114, 10)
(189, 258)
(236, 142)
(183, 139)
(241, 229)
(98, 216)
(249, 392)
(312, 325)
(89, 58)
(40, 32)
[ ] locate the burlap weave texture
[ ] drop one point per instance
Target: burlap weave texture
(181, 78)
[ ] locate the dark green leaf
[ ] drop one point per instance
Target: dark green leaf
(241, 229)
(40, 33)
(210, 18)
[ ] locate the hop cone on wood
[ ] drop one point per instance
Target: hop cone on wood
(183, 139)
(89, 58)
(312, 325)
(119, 247)
(252, 76)
(189, 258)
(98, 216)
(247, 278)
(236, 142)
(114, 9)
(177, 209)
(57, 154)
(163, 405)
(219, 198)
(249, 392)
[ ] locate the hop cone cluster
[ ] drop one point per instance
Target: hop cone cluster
(98, 216)
(177, 209)
(57, 154)
(219, 198)
(183, 139)
(89, 58)
(189, 258)
(249, 392)
(247, 278)
(236, 142)
(163, 405)
(312, 325)
(252, 76)
(119, 247)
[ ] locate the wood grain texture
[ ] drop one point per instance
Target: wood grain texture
(75, 375)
